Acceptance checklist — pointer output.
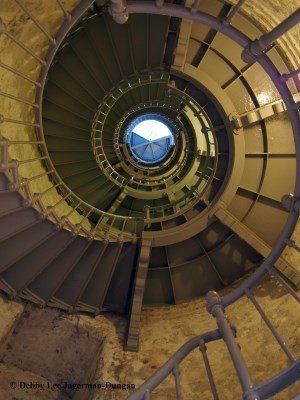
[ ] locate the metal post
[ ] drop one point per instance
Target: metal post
(195, 6)
(14, 71)
(15, 121)
(63, 9)
(233, 11)
(292, 243)
(292, 292)
(35, 21)
(10, 96)
(176, 373)
(258, 46)
(20, 44)
(202, 348)
(270, 326)
(214, 307)
(286, 77)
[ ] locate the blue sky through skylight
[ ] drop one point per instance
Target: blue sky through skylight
(152, 129)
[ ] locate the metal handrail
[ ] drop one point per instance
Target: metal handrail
(254, 51)
(159, 376)
(216, 304)
(70, 20)
(184, 100)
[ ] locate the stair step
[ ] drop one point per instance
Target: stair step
(75, 168)
(22, 243)
(59, 144)
(55, 94)
(55, 129)
(9, 201)
(47, 282)
(76, 281)
(20, 274)
(97, 287)
(102, 48)
(77, 68)
(56, 113)
(72, 157)
(75, 181)
(119, 289)
(3, 184)
(64, 80)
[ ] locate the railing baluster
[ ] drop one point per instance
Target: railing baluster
(235, 9)
(292, 292)
(286, 77)
(274, 332)
(25, 142)
(35, 21)
(18, 73)
(195, 6)
(19, 43)
(10, 96)
(59, 201)
(63, 9)
(46, 191)
(202, 348)
(15, 121)
(20, 162)
(176, 373)
(292, 243)
(215, 307)
(40, 175)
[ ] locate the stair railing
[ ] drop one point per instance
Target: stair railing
(254, 51)
(11, 167)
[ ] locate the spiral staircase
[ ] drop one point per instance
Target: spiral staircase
(85, 225)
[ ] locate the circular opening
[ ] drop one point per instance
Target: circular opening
(149, 139)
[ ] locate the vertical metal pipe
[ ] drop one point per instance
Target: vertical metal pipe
(270, 326)
(214, 307)
(233, 11)
(282, 28)
(258, 46)
(202, 348)
(195, 6)
(176, 374)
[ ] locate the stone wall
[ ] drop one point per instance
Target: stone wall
(47, 345)
(163, 330)
(23, 29)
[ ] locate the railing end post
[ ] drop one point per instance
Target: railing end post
(213, 300)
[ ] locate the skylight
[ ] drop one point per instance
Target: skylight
(152, 129)
(150, 140)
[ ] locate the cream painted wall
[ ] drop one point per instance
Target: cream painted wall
(22, 28)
